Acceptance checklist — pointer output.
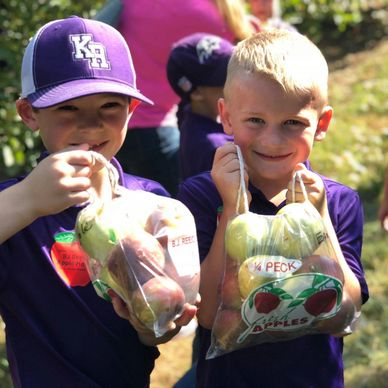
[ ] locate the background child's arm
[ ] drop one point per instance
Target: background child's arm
(56, 183)
(226, 176)
(317, 196)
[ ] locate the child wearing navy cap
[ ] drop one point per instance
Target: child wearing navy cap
(79, 91)
(276, 106)
(196, 70)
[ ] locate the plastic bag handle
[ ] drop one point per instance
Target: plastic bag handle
(298, 177)
(112, 174)
(242, 190)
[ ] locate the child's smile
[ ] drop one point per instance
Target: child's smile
(274, 129)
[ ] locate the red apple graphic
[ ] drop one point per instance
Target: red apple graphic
(321, 302)
(344, 317)
(265, 302)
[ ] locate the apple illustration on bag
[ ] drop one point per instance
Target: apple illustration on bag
(340, 323)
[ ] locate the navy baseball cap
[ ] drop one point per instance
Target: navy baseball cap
(76, 57)
(199, 59)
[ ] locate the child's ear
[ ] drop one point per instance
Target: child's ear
(224, 116)
(323, 123)
(27, 113)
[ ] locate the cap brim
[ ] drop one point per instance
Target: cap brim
(54, 95)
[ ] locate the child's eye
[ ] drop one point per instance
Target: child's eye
(67, 107)
(256, 120)
(112, 104)
(294, 123)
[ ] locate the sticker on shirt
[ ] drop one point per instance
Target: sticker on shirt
(69, 259)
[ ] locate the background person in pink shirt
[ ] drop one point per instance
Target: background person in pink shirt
(151, 27)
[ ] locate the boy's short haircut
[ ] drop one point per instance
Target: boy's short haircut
(199, 59)
(75, 57)
(286, 57)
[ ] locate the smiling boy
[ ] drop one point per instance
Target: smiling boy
(79, 91)
(275, 106)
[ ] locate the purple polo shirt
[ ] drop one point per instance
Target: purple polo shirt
(308, 361)
(61, 335)
(200, 137)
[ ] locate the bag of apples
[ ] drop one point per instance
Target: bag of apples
(282, 278)
(144, 247)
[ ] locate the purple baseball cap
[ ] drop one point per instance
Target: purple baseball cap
(75, 57)
(199, 59)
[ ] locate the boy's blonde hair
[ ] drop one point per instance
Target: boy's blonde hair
(288, 58)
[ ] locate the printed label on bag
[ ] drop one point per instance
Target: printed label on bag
(183, 250)
(291, 303)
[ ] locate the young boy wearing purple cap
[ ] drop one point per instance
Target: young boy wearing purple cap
(275, 106)
(196, 70)
(79, 90)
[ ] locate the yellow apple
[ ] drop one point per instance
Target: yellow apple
(247, 235)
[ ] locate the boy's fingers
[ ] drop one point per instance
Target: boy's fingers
(98, 161)
(187, 315)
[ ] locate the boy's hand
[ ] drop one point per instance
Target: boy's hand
(314, 186)
(147, 337)
(226, 174)
(61, 180)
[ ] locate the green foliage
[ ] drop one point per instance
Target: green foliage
(355, 150)
(354, 23)
(19, 20)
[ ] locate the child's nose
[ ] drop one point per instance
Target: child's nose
(89, 121)
(272, 135)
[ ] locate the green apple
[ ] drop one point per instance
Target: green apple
(99, 227)
(298, 230)
(247, 235)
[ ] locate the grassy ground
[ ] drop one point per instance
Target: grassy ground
(354, 152)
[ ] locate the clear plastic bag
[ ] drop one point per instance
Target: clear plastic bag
(144, 247)
(282, 279)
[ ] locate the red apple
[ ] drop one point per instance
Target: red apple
(321, 264)
(159, 301)
(336, 325)
(230, 291)
(135, 259)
